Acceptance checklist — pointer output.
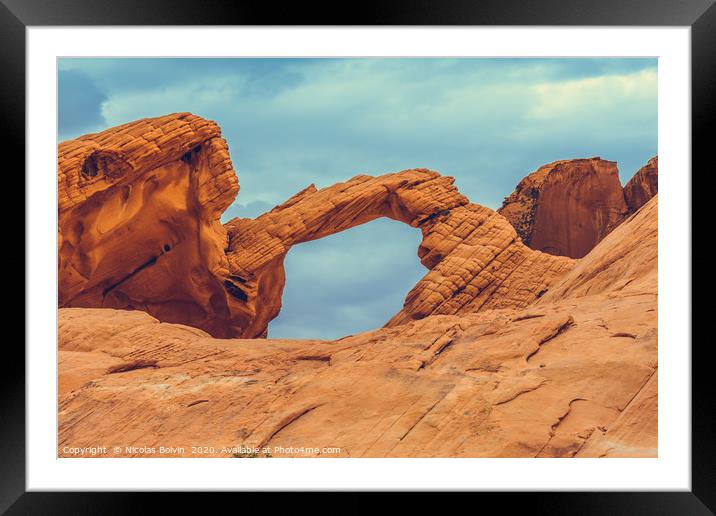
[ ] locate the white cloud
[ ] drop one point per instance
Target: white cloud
(585, 97)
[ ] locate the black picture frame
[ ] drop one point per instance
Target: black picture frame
(700, 15)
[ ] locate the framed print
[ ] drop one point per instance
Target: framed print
(432, 250)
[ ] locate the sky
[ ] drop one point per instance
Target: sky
(488, 122)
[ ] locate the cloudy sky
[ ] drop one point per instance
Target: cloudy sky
(292, 122)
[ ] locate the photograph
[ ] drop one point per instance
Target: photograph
(357, 257)
(420, 248)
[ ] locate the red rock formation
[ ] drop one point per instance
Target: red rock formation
(643, 186)
(499, 351)
(627, 259)
(572, 375)
(139, 229)
(139, 209)
(476, 261)
(565, 208)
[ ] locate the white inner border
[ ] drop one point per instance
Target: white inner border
(671, 470)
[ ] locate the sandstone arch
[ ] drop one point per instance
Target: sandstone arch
(475, 258)
(139, 228)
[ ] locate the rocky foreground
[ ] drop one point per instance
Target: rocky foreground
(500, 351)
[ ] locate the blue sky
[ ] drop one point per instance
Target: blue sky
(292, 122)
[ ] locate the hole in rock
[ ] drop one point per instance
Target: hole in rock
(90, 168)
(187, 157)
(100, 164)
(349, 282)
(235, 290)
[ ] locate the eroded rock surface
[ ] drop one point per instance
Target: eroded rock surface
(139, 209)
(565, 208)
(139, 229)
(573, 374)
(643, 186)
(627, 259)
(475, 260)
(499, 351)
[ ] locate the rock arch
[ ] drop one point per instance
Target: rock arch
(474, 257)
(139, 208)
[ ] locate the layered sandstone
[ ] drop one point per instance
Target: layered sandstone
(566, 207)
(475, 260)
(572, 375)
(643, 186)
(139, 209)
(499, 351)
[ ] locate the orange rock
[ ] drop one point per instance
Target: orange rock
(499, 351)
(573, 374)
(475, 259)
(139, 229)
(565, 208)
(622, 264)
(139, 209)
(643, 186)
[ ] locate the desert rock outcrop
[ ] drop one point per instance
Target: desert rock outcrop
(572, 375)
(643, 186)
(475, 260)
(627, 259)
(566, 207)
(499, 351)
(139, 228)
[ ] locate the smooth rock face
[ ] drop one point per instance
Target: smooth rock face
(475, 260)
(643, 186)
(627, 259)
(565, 208)
(139, 209)
(574, 374)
